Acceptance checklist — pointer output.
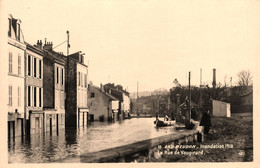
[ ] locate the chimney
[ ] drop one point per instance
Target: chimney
(39, 44)
(48, 46)
(214, 78)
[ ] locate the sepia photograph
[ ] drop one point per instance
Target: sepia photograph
(140, 82)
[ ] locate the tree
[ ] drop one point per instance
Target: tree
(245, 78)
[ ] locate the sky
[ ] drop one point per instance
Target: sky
(147, 41)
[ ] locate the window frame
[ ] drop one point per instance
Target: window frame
(19, 65)
(10, 63)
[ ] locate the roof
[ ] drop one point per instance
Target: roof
(104, 93)
(34, 49)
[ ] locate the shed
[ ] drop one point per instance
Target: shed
(221, 109)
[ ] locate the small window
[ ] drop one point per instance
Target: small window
(29, 65)
(34, 97)
(10, 96)
(40, 97)
(19, 97)
(29, 96)
(40, 69)
(10, 62)
(85, 80)
(34, 67)
(92, 94)
(19, 64)
(57, 77)
(79, 78)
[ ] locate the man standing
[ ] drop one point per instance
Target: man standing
(206, 122)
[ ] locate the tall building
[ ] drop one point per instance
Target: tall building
(54, 88)
(16, 79)
(76, 90)
(34, 90)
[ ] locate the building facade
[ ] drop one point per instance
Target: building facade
(122, 96)
(76, 90)
(16, 78)
(54, 89)
(102, 106)
(34, 115)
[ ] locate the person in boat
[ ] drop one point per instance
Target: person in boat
(166, 118)
(206, 122)
(158, 122)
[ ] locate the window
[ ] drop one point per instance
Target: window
(34, 97)
(92, 94)
(19, 97)
(19, 64)
(40, 69)
(40, 97)
(29, 65)
(34, 67)
(62, 76)
(57, 77)
(10, 62)
(9, 29)
(79, 77)
(10, 96)
(81, 80)
(29, 96)
(85, 80)
(18, 31)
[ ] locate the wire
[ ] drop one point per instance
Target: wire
(60, 44)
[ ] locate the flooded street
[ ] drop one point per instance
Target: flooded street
(67, 143)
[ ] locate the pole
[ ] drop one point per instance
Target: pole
(188, 114)
(137, 100)
(68, 42)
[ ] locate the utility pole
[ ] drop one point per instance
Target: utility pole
(137, 100)
(68, 42)
(188, 113)
(200, 101)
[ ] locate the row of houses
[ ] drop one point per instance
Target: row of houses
(108, 102)
(48, 91)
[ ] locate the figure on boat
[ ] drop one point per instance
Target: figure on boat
(166, 122)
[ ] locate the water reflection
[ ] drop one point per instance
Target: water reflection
(48, 147)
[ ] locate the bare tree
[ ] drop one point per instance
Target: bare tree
(245, 78)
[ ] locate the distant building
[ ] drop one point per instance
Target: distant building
(34, 90)
(76, 90)
(247, 98)
(53, 89)
(122, 96)
(102, 105)
(221, 109)
(16, 78)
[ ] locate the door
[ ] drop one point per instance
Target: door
(57, 123)
(51, 125)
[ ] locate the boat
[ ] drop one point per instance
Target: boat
(160, 123)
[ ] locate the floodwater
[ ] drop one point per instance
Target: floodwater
(98, 136)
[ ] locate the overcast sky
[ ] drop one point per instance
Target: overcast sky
(152, 42)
